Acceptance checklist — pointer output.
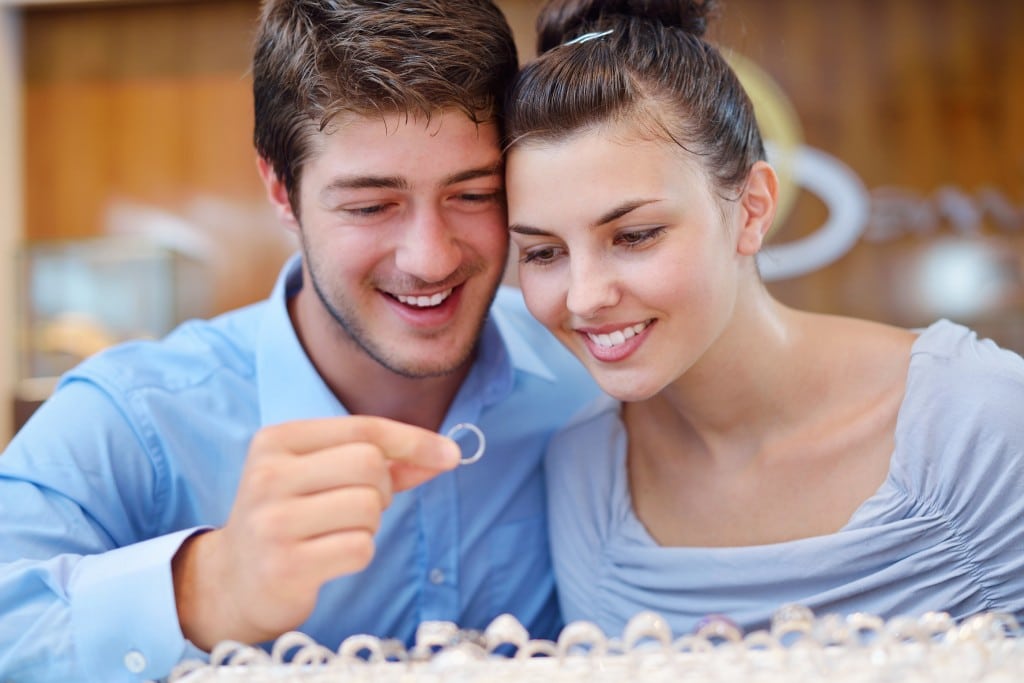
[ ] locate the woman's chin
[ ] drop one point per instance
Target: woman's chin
(627, 392)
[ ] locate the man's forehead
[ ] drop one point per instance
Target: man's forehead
(358, 179)
(399, 152)
(391, 121)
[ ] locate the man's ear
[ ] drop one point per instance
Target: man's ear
(278, 195)
(757, 208)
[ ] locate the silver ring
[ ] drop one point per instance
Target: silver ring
(479, 435)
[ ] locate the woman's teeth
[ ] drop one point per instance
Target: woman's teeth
(618, 336)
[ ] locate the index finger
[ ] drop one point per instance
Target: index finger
(398, 441)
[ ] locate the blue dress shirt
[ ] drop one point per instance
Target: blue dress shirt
(143, 445)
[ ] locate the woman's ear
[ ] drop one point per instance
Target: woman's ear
(757, 208)
(278, 195)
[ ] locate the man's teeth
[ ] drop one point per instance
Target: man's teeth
(424, 301)
(618, 336)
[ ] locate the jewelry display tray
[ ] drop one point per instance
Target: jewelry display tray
(798, 646)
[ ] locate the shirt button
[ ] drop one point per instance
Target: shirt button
(135, 662)
(436, 577)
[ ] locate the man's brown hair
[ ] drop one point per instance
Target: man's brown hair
(315, 59)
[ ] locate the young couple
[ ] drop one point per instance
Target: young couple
(284, 466)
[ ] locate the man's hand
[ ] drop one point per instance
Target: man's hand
(308, 506)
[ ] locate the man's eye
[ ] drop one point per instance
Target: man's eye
(480, 197)
(364, 211)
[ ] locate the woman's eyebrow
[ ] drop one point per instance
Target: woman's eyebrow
(607, 217)
(621, 210)
(526, 229)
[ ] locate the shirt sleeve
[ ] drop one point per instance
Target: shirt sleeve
(82, 594)
(967, 434)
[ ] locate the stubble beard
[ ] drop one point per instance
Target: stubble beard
(348, 320)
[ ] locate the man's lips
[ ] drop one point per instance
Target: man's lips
(424, 300)
(428, 310)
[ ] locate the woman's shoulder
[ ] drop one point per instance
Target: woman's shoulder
(960, 432)
(967, 379)
(950, 347)
(961, 446)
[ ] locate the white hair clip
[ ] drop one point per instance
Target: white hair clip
(590, 36)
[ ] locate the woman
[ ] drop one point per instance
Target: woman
(749, 455)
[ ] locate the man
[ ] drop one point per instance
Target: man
(278, 468)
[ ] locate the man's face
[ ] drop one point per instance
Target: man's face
(403, 230)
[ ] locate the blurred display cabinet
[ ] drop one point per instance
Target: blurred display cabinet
(77, 297)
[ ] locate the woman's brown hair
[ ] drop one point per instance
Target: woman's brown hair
(641, 61)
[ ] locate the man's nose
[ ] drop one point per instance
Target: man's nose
(429, 250)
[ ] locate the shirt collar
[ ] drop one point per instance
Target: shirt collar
(291, 389)
(289, 386)
(514, 334)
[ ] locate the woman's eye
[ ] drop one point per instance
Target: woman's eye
(541, 256)
(637, 237)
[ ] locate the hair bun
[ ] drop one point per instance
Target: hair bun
(559, 21)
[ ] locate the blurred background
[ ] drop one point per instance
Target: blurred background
(129, 199)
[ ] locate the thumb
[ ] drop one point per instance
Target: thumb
(405, 476)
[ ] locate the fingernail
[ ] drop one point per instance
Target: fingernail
(451, 455)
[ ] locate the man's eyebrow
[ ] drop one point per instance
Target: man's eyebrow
(372, 182)
(497, 168)
(607, 217)
(364, 182)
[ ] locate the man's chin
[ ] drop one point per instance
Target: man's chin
(425, 370)
(445, 361)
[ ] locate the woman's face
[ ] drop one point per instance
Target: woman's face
(625, 253)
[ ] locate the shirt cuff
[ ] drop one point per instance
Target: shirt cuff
(124, 618)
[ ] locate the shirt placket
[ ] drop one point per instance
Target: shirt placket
(439, 528)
